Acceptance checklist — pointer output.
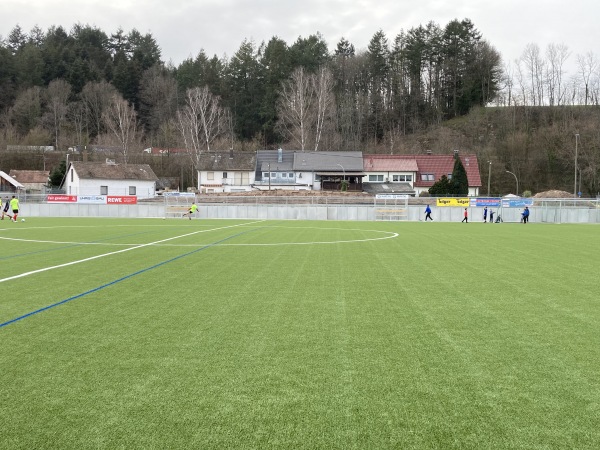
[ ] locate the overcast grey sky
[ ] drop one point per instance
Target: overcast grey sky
(183, 27)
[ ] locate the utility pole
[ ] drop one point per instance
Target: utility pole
(575, 186)
(489, 177)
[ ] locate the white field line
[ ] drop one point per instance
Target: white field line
(45, 269)
(390, 235)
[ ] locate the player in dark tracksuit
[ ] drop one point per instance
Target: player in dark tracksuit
(428, 214)
(5, 209)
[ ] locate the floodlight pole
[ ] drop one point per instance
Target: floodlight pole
(344, 171)
(575, 184)
(489, 177)
(516, 179)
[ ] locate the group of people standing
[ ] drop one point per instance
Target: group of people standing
(11, 205)
(524, 215)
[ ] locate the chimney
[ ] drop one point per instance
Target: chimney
(429, 152)
(279, 155)
(85, 154)
(455, 154)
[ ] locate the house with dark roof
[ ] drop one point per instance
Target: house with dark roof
(420, 172)
(298, 170)
(328, 170)
(8, 183)
(226, 171)
(34, 181)
(92, 178)
(275, 170)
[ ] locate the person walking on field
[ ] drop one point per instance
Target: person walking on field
(428, 214)
(485, 215)
(526, 215)
(191, 211)
(14, 205)
(466, 216)
(5, 209)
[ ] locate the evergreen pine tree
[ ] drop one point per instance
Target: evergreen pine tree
(460, 182)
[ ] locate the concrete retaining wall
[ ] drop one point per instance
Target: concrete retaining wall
(306, 212)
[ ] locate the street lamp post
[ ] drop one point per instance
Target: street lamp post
(344, 171)
(516, 179)
(489, 177)
(269, 168)
(575, 184)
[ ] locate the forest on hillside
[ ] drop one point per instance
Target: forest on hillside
(428, 88)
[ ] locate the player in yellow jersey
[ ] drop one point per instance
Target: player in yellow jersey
(191, 211)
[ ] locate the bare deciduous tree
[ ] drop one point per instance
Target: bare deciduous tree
(158, 95)
(58, 95)
(27, 110)
(120, 120)
(325, 102)
(557, 56)
(96, 97)
(534, 64)
(76, 115)
(201, 121)
(295, 107)
(587, 64)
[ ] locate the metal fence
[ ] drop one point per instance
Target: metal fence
(290, 207)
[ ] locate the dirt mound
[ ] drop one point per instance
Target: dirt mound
(553, 194)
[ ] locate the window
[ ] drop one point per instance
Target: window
(427, 177)
(210, 175)
(401, 177)
(103, 190)
(224, 174)
(71, 175)
(131, 190)
(273, 175)
(291, 175)
(265, 175)
(376, 178)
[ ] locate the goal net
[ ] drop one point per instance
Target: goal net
(178, 203)
(391, 207)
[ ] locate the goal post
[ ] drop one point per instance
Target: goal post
(178, 203)
(391, 207)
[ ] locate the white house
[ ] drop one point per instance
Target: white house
(413, 174)
(91, 178)
(226, 171)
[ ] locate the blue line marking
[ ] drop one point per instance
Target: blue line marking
(75, 297)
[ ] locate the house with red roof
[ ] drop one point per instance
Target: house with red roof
(413, 174)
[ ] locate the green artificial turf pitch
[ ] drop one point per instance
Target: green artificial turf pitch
(148, 333)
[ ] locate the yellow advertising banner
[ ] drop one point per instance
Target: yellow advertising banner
(464, 202)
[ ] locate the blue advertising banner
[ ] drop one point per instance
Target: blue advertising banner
(516, 202)
(489, 202)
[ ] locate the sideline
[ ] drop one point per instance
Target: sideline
(91, 258)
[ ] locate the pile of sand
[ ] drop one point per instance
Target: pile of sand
(554, 194)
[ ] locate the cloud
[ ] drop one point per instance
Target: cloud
(183, 27)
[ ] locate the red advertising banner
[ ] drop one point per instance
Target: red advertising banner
(93, 199)
(57, 198)
(121, 199)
